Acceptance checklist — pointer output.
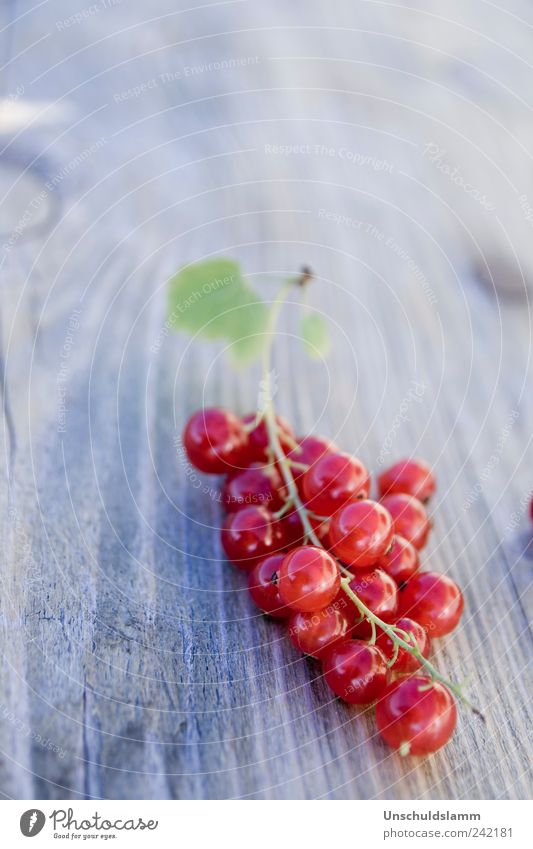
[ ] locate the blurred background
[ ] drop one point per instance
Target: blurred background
(387, 146)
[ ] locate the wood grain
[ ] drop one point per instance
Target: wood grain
(133, 663)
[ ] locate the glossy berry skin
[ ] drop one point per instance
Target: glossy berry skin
(292, 530)
(360, 533)
(249, 535)
(413, 477)
(263, 587)
(415, 715)
(332, 481)
(214, 439)
(309, 579)
(401, 561)
(258, 440)
(433, 600)
(316, 633)
(405, 662)
(409, 516)
(356, 672)
(379, 593)
(258, 484)
(310, 449)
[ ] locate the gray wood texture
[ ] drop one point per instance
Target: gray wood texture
(133, 664)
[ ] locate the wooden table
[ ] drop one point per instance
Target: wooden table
(385, 147)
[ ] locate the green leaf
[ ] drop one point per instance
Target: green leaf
(212, 298)
(315, 335)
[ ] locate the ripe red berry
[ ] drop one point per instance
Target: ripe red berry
(416, 715)
(379, 593)
(249, 535)
(360, 533)
(258, 439)
(409, 517)
(413, 477)
(332, 481)
(263, 587)
(214, 439)
(356, 672)
(405, 662)
(309, 578)
(310, 449)
(292, 530)
(317, 632)
(401, 561)
(433, 600)
(258, 484)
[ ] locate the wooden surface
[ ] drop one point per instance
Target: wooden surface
(133, 664)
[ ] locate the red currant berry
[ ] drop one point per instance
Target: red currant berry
(214, 439)
(433, 600)
(259, 485)
(416, 715)
(292, 530)
(401, 561)
(332, 481)
(294, 533)
(263, 587)
(413, 477)
(379, 593)
(310, 449)
(258, 439)
(405, 662)
(360, 533)
(356, 672)
(309, 578)
(409, 517)
(249, 535)
(316, 633)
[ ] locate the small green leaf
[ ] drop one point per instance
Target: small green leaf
(315, 334)
(213, 299)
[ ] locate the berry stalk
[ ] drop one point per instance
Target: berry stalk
(400, 642)
(268, 414)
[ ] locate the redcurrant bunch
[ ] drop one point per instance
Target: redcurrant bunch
(342, 569)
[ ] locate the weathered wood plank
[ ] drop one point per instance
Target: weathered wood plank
(133, 663)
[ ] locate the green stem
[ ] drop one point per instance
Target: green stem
(393, 633)
(269, 416)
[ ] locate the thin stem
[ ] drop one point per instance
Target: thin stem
(293, 498)
(283, 510)
(271, 425)
(300, 467)
(393, 633)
